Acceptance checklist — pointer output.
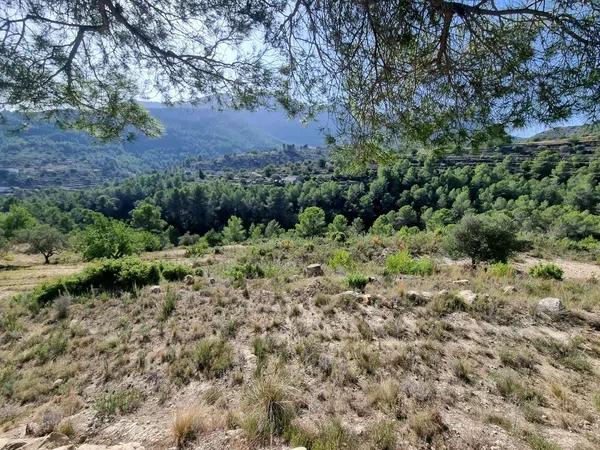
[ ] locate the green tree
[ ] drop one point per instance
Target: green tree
(338, 228)
(148, 217)
(428, 71)
(108, 238)
(43, 239)
(234, 230)
(311, 222)
(16, 219)
(273, 229)
(483, 238)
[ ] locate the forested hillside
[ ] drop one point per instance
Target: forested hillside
(43, 155)
(554, 191)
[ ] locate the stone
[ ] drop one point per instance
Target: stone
(299, 448)
(155, 289)
(314, 270)
(551, 306)
(419, 297)
(211, 281)
(189, 280)
(467, 296)
(58, 382)
(461, 282)
(350, 295)
(509, 289)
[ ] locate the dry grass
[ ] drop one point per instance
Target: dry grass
(190, 422)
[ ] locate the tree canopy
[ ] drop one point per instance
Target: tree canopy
(433, 72)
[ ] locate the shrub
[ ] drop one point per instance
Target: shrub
(200, 248)
(188, 239)
(342, 258)
(175, 272)
(427, 424)
(546, 271)
(403, 263)
(213, 356)
(337, 230)
(271, 409)
(249, 271)
(169, 305)
(501, 270)
(121, 402)
(357, 281)
(234, 230)
(109, 238)
(483, 238)
(126, 274)
(383, 436)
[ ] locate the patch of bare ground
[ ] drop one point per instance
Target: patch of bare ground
(286, 361)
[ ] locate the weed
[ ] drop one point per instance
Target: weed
(383, 436)
(169, 305)
(463, 371)
(427, 424)
(509, 386)
(271, 409)
(118, 402)
(537, 442)
(518, 360)
(501, 270)
(213, 356)
(357, 281)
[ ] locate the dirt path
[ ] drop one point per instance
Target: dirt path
(572, 269)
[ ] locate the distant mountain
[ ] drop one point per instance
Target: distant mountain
(44, 155)
(561, 133)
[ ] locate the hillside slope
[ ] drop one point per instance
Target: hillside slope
(45, 156)
(455, 360)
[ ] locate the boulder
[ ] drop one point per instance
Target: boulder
(155, 289)
(550, 306)
(189, 280)
(467, 296)
(314, 270)
(419, 297)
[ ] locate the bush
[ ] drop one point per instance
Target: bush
(188, 239)
(175, 272)
(357, 281)
(122, 402)
(546, 271)
(501, 270)
(483, 238)
(124, 274)
(246, 271)
(403, 263)
(198, 249)
(213, 356)
(342, 258)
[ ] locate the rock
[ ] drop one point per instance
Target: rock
(551, 306)
(419, 297)
(58, 382)
(314, 270)
(155, 289)
(189, 280)
(442, 293)
(467, 296)
(211, 281)
(299, 448)
(54, 440)
(350, 295)
(509, 289)
(461, 282)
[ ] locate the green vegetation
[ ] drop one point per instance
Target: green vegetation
(311, 222)
(403, 263)
(357, 281)
(546, 271)
(123, 274)
(483, 238)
